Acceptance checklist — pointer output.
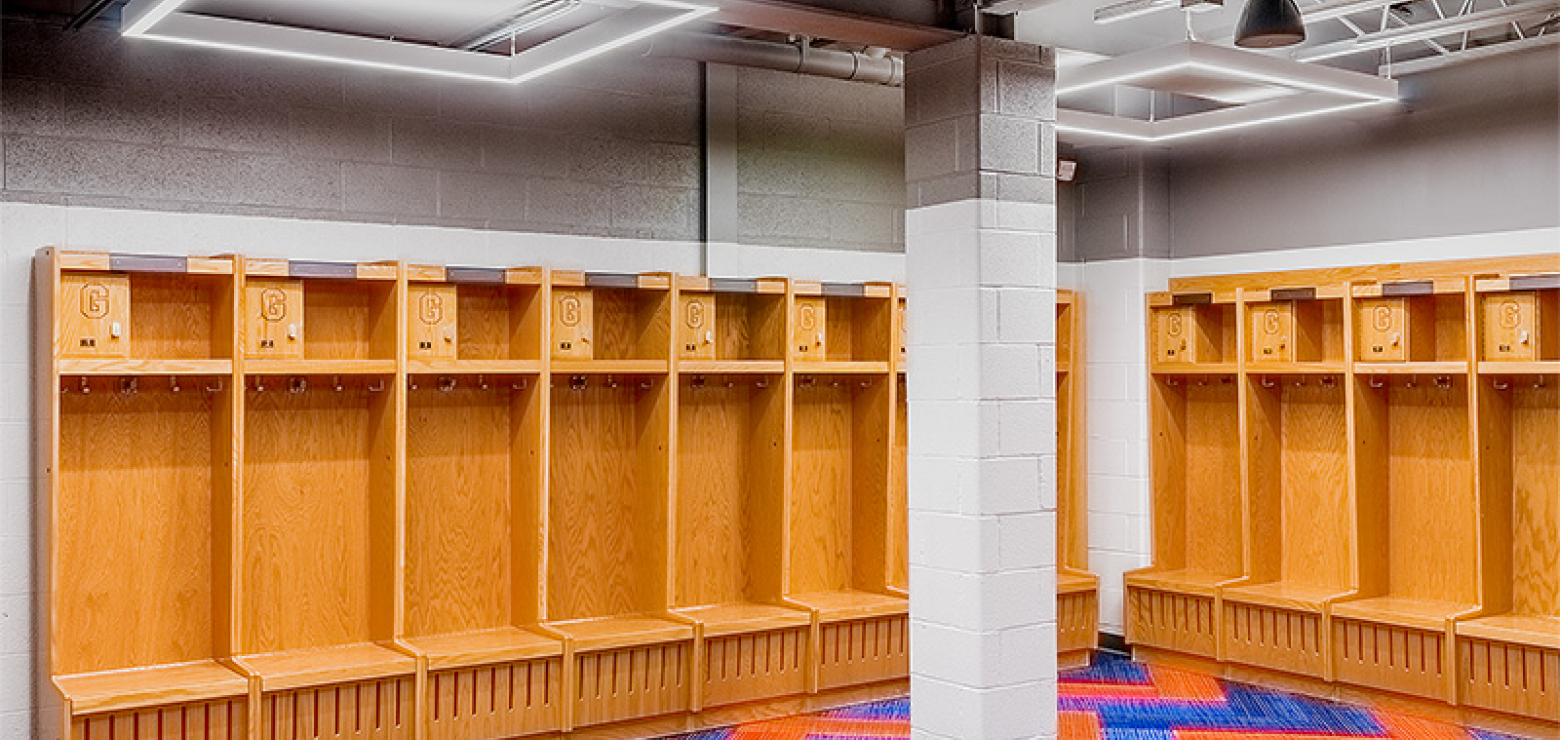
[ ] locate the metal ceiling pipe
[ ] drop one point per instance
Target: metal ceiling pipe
(797, 58)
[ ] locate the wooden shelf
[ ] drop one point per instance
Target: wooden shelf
(1524, 629)
(1539, 367)
(1073, 583)
(320, 666)
(836, 606)
(319, 367)
(840, 368)
(731, 367)
(740, 617)
(1411, 368)
(623, 631)
(111, 691)
(1211, 368)
(1303, 597)
(502, 645)
(473, 367)
(105, 366)
(1296, 368)
(610, 367)
(1192, 582)
(1423, 614)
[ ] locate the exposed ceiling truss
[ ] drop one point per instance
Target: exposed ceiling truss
(1453, 31)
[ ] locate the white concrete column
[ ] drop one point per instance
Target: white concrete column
(981, 275)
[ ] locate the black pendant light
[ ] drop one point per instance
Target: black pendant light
(1265, 24)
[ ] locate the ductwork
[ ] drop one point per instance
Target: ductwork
(873, 66)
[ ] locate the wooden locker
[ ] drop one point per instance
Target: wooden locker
(1388, 331)
(1272, 332)
(696, 326)
(95, 315)
(1175, 334)
(808, 338)
(273, 318)
(431, 321)
(573, 320)
(1514, 325)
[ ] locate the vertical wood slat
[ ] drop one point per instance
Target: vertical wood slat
(380, 709)
(1390, 657)
(1172, 621)
(495, 701)
(748, 667)
(1508, 677)
(1279, 639)
(863, 651)
(224, 719)
(631, 683)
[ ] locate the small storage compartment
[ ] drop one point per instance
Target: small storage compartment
(1191, 330)
(842, 323)
(1520, 325)
(147, 315)
(734, 320)
(1423, 321)
(1305, 329)
(611, 317)
(341, 317)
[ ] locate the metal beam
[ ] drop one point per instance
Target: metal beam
(1423, 31)
(1478, 52)
(825, 19)
(1329, 9)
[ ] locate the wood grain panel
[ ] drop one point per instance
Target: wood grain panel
(366, 710)
(458, 489)
(91, 306)
(1171, 621)
(226, 719)
(1314, 459)
(729, 491)
(1432, 516)
(863, 651)
(181, 316)
(696, 322)
(809, 334)
(1212, 487)
(309, 498)
(606, 503)
(898, 495)
(1279, 639)
(632, 683)
(133, 526)
(1509, 677)
(1399, 659)
(1385, 272)
(499, 322)
(1077, 621)
(432, 321)
(1536, 476)
(822, 486)
(495, 702)
(748, 667)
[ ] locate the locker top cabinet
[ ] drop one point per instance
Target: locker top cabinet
(336, 317)
(1294, 328)
(1193, 332)
(474, 319)
(611, 322)
(1519, 322)
(121, 311)
(731, 325)
(842, 328)
(1411, 326)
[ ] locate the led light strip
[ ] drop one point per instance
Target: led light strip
(1073, 122)
(150, 19)
(1248, 74)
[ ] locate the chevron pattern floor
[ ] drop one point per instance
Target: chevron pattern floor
(1118, 699)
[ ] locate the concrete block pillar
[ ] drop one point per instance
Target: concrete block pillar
(980, 160)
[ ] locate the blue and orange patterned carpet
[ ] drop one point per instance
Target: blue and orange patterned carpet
(1117, 699)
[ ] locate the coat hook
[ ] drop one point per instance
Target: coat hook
(866, 384)
(1267, 382)
(1300, 382)
(760, 384)
(1538, 382)
(1501, 384)
(730, 383)
(297, 384)
(806, 381)
(519, 385)
(411, 382)
(173, 384)
(129, 386)
(1329, 381)
(215, 386)
(696, 382)
(834, 383)
(482, 382)
(335, 382)
(644, 385)
(85, 386)
(1410, 382)
(1173, 382)
(1443, 382)
(577, 383)
(377, 386)
(446, 383)
(611, 382)
(1378, 383)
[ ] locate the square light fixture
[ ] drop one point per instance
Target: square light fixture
(1245, 89)
(616, 23)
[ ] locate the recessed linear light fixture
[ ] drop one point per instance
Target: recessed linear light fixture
(1308, 90)
(159, 20)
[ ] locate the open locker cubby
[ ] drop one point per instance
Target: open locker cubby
(334, 315)
(729, 551)
(611, 323)
(1198, 513)
(1419, 520)
(839, 543)
(318, 557)
(1197, 329)
(1295, 327)
(470, 319)
(1519, 321)
(1422, 322)
(843, 328)
(607, 544)
(1299, 502)
(475, 459)
(144, 492)
(731, 325)
(145, 313)
(1509, 656)
(1077, 597)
